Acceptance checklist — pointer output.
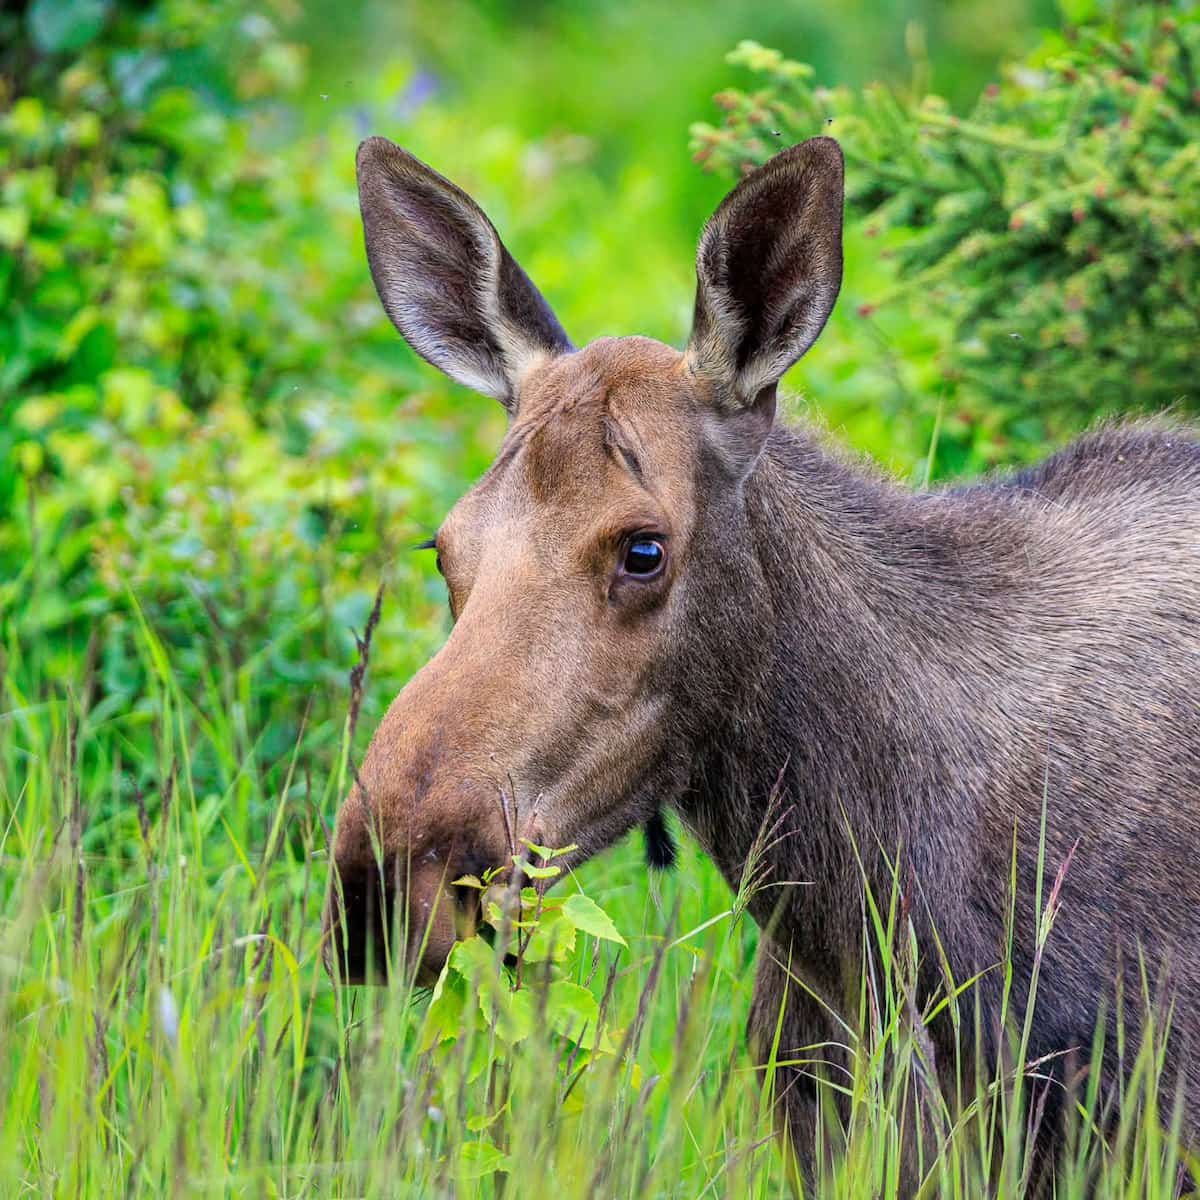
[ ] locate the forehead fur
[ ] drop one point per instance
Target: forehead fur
(610, 394)
(628, 366)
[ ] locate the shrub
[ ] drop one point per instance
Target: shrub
(1050, 235)
(195, 379)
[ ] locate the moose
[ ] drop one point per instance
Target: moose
(663, 598)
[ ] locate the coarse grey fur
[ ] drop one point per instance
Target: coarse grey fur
(928, 671)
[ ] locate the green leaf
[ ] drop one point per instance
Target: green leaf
(585, 914)
(14, 225)
(58, 25)
(571, 1010)
(553, 939)
(510, 1014)
(477, 1159)
(546, 852)
(538, 872)
(493, 914)
(473, 958)
(447, 1007)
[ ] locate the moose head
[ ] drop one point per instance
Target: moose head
(606, 588)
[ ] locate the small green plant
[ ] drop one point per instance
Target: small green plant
(1049, 237)
(512, 982)
(516, 964)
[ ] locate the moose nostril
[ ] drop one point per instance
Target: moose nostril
(401, 917)
(360, 923)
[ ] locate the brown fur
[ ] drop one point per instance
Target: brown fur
(918, 672)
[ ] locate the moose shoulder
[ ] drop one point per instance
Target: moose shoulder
(663, 598)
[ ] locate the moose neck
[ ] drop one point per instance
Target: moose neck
(841, 753)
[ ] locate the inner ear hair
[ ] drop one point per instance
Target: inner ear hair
(444, 277)
(768, 270)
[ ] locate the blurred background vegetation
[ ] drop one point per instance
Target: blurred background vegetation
(214, 448)
(203, 411)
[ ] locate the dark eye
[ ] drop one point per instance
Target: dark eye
(644, 556)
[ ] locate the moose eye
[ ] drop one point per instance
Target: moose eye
(644, 556)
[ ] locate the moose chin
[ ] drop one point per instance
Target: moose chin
(663, 597)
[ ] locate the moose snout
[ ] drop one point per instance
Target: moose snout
(422, 813)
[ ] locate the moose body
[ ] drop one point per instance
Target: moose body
(664, 598)
(933, 673)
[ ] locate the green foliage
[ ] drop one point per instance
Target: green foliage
(535, 935)
(197, 391)
(175, 1033)
(213, 450)
(165, 1023)
(58, 25)
(1050, 237)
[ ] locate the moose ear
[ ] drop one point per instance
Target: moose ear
(450, 287)
(767, 272)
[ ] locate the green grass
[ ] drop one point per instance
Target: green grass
(166, 1024)
(166, 1027)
